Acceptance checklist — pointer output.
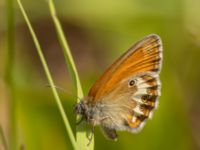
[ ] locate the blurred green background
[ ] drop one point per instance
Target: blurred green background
(98, 32)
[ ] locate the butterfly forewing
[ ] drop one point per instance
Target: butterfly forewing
(144, 56)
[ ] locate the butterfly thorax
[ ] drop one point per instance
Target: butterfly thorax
(91, 112)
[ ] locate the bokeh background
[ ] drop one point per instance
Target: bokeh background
(98, 32)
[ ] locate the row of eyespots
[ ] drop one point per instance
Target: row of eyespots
(138, 119)
(145, 105)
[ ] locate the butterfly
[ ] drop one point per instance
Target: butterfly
(126, 94)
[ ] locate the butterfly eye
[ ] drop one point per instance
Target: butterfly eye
(132, 82)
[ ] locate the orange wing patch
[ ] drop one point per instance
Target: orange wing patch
(134, 122)
(144, 56)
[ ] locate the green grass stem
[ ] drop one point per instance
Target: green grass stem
(3, 138)
(47, 72)
(81, 130)
(9, 67)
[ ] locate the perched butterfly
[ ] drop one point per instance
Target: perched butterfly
(124, 97)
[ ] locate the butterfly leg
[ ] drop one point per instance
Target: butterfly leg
(92, 134)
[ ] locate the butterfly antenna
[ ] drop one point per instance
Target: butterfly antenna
(63, 90)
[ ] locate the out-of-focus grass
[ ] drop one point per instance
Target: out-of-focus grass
(3, 139)
(9, 72)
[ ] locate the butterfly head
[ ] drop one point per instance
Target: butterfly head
(84, 108)
(80, 108)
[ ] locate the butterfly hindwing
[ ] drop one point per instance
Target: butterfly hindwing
(146, 99)
(132, 104)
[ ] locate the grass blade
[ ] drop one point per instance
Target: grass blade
(81, 130)
(47, 72)
(9, 67)
(3, 138)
